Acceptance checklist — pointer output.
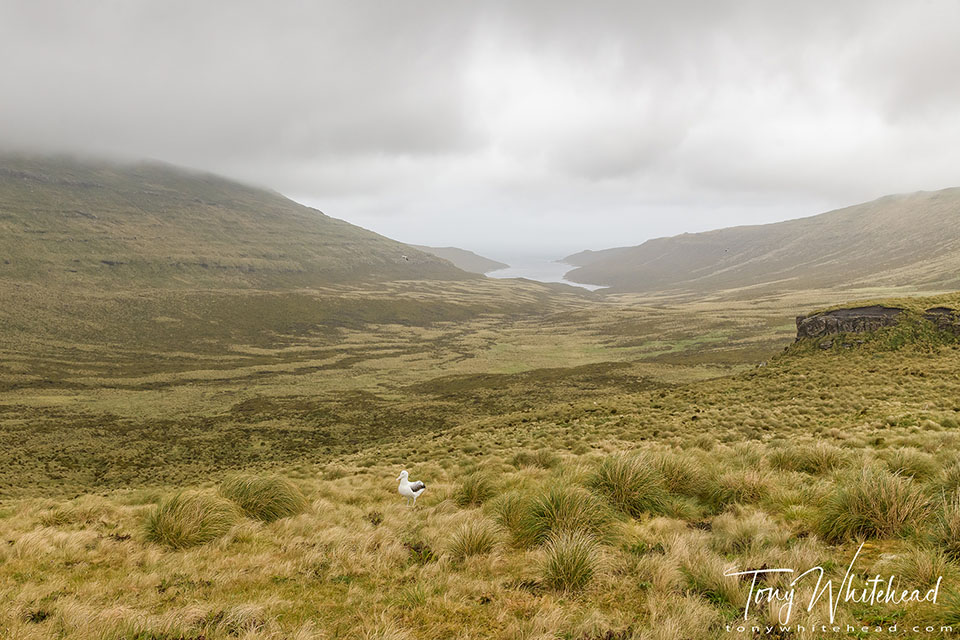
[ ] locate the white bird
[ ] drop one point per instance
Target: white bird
(409, 489)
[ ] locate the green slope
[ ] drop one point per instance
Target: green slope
(96, 225)
(903, 240)
(463, 259)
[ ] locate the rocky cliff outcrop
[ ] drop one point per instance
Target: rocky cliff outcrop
(857, 320)
(944, 318)
(866, 319)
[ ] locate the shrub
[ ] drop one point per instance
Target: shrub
(190, 518)
(632, 483)
(472, 538)
(562, 509)
(265, 498)
(474, 490)
(571, 561)
(872, 503)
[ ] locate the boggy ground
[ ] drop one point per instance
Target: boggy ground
(583, 502)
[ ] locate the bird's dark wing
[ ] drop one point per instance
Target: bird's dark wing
(417, 486)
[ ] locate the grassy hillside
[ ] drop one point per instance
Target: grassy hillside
(904, 240)
(83, 224)
(463, 259)
(612, 509)
(149, 259)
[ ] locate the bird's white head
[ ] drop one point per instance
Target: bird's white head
(403, 476)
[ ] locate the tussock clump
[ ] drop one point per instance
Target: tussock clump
(705, 441)
(678, 616)
(682, 508)
(83, 511)
(921, 566)
(511, 510)
(742, 486)
(561, 509)
(472, 538)
(681, 474)
(946, 530)
(947, 481)
(265, 498)
(705, 574)
(745, 530)
(632, 483)
(191, 518)
(872, 503)
(542, 458)
(475, 489)
(571, 561)
(910, 462)
(814, 459)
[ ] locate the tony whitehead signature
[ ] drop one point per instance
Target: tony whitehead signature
(874, 590)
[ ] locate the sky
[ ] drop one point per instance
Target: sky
(533, 128)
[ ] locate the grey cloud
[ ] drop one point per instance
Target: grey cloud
(542, 122)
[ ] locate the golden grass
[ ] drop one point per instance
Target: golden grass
(761, 468)
(266, 498)
(190, 518)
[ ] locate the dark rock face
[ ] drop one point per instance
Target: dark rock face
(944, 318)
(858, 320)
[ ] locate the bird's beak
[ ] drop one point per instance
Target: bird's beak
(399, 477)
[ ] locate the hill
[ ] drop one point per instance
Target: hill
(463, 259)
(86, 224)
(910, 240)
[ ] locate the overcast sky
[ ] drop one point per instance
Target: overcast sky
(505, 127)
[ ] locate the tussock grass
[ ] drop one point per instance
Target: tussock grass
(705, 574)
(921, 566)
(571, 561)
(510, 510)
(632, 483)
(753, 499)
(910, 462)
(947, 482)
(472, 538)
(745, 530)
(542, 458)
(872, 503)
(190, 518)
(740, 486)
(474, 489)
(559, 509)
(681, 473)
(265, 498)
(84, 510)
(679, 616)
(815, 459)
(946, 529)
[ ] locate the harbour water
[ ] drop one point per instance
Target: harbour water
(540, 269)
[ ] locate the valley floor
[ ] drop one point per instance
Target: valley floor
(592, 473)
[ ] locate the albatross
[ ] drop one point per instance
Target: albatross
(409, 489)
